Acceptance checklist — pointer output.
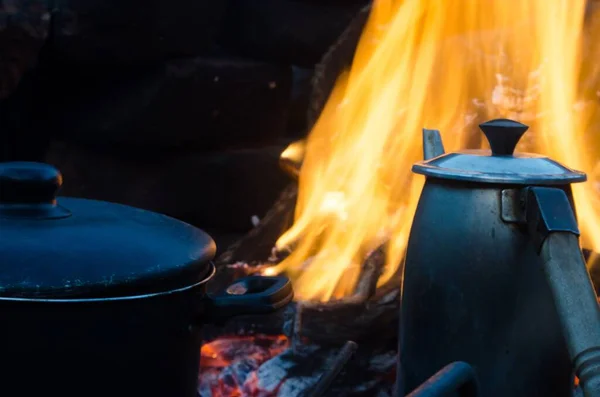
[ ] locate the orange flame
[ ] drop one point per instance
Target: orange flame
(447, 65)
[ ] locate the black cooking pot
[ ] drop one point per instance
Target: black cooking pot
(102, 299)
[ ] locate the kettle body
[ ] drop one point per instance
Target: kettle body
(494, 277)
(474, 290)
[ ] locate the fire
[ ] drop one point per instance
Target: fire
(446, 65)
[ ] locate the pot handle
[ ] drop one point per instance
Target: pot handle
(250, 295)
(554, 231)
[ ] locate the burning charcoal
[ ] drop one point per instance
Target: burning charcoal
(370, 373)
(128, 31)
(332, 369)
(207, 382)
(231, 349)
(383, 362)
(288, 373)
(297, 386)
(367, 387)
(228, 384)
(288, 31)
(250, 386)
(185, 104)
(236, 361)
(227, 350)
(274, 372)
(242, 370)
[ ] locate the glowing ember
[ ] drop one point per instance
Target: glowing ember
(445, 65)
(229, 364)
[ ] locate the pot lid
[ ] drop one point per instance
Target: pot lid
(70, 248)
(500, 164)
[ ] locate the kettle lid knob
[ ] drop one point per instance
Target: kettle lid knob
(503, 135)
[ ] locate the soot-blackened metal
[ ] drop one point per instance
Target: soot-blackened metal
(493, 268)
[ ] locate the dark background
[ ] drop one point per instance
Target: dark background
(178, 107)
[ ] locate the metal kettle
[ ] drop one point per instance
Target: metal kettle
(494, 275)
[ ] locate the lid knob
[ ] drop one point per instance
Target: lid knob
(28, 190)
(503, 135)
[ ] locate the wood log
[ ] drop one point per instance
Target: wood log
(328, 322)
(370, 310)
(328, 377)
(357, 317)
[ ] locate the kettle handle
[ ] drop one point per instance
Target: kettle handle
(554, 231)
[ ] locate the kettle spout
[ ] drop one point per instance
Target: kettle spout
(432, 144)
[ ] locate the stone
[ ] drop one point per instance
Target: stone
(220, 190)
(287, 31)
(135, 31)
(192, 103)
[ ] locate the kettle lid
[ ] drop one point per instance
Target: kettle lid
(70, 248)
(500, 164)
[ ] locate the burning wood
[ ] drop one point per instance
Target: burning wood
(291, 158)
(369, 309)
(360, 151)
(312, 362)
